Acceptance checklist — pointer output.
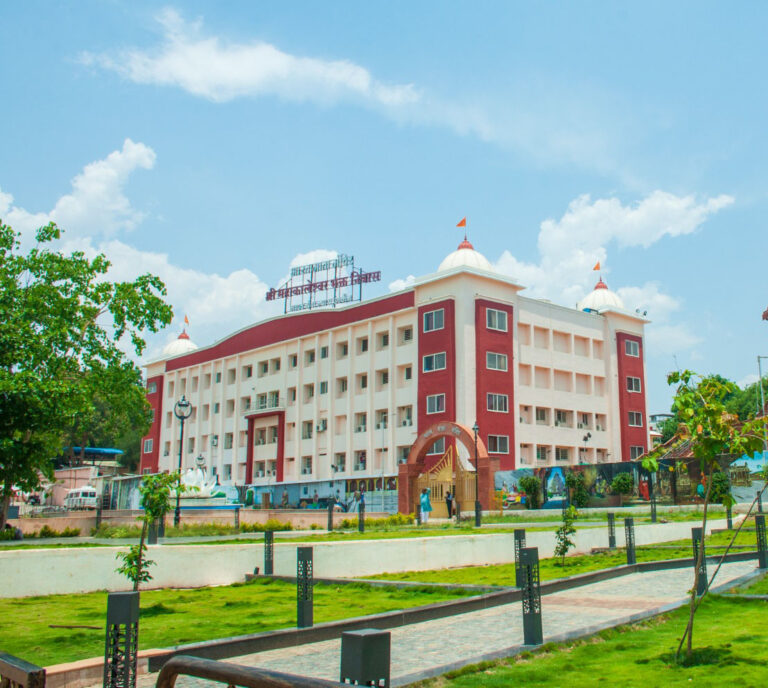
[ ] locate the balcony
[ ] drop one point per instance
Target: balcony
(268, 404)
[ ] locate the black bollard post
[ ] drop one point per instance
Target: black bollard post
(729, 516)
(762, 546)
(629, 536)
(519, 546)
(120, 649)
(304, 586)
(365, 657)
(611, 530)
(330, 516)
(269, 561)
(653, 509)
(532, 631)
(237, 519)
(98, 516)
(418, 516)
(361, 517)
(698, 541)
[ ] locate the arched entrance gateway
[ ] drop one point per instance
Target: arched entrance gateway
(450, 472)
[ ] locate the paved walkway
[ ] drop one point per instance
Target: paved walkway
(436, 646)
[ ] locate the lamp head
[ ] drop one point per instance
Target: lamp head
(183, 408)
(475, 428)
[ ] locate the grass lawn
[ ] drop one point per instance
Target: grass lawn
(678, 515)
(729, 641)
(504, 574)
(759, 587)
(171, 617)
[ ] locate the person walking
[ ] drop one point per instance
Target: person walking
(426, 505)
(449, 503)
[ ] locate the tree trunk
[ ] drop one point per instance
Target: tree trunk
(688, 635)
(139, 561)
(5, 503)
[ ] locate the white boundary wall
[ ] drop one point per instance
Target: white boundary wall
(85, 569)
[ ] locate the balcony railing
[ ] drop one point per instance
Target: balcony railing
(264, 405)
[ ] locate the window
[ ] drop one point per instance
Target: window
(310, 357)
(342, 350)
(362, 345)
(541, 416)
(434, 320)
(275, 365)
(436, 403)
(633, 384)
(438, 447)
(498, 402)
(309, 392)
(247, 371)
(147, 446)
(323, 352)
(495, 361)
(562, 454)
(342, 384)
(632, 348)
(216, 407)
(293, 360)
(561, 417)
(291, 394)
(541, 453)
(407, 334)
(434, 362)
(324, 387)
(498, 444)
(635, 419)
(383, 340)
(152, 388)
(384, 377)
(218, 377)
(408, 372)
(306, 430)
(228, 440)
(495, 320)
(636, 452)
(363, 381)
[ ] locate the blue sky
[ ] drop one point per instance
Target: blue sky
(215, 144)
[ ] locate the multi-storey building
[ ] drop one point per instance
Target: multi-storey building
(314, 398)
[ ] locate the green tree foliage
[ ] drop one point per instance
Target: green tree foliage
(704, 406)
(563, 541)
(622, 484)
(577, 486)
(155, 491)
(61, 322)
(531, 485)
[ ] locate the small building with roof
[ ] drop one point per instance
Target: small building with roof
(333, 400)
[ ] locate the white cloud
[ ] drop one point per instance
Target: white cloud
(214, 69)
(749, 379)
(96, 205)
(399, 284)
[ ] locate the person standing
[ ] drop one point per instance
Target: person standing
(426, 505)
(449, 503)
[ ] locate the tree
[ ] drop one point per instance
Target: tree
(622, 484)
(715, 434)
(531, 486)
(61, 323)
(155, 491)
(577, 485)
(563, 534)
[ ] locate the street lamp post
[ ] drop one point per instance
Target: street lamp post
(182, 410)
(478, 507)
(586, 439)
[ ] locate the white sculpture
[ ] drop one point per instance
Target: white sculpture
(198, 484)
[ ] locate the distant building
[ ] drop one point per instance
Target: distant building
(334, 397)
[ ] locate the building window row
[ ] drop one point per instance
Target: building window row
(565, 418)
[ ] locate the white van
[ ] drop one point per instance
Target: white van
(81, 498)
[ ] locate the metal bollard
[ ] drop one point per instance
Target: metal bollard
(532, 631)
(304, 587)
(361, 517)
(98, 516)
(365, 656)
(611, 530)
(418, 516)
(762, 546)
(120, 648)
(698, 541)
(330, 516)
(653, 509)
(729, 516)
(629, 535)
(519, 546)
(269, 554)
(237, 519)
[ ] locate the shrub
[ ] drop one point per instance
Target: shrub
(531, 486)
(314, 526)
(564, 532)
(577, 483)
(622, 484)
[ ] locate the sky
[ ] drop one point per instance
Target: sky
(218, 144)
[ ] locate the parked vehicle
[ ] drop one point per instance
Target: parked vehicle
(81, 498)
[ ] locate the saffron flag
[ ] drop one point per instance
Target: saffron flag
(597, 266)
(462, 222)
(186, 320)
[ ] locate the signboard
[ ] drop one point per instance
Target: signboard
(326, 284)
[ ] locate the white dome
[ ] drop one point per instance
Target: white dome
(601, 297)
(465, 256)
(182, 345)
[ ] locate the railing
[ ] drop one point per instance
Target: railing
(16, 673)
(234, 675)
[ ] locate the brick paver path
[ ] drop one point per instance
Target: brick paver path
(459, 639)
